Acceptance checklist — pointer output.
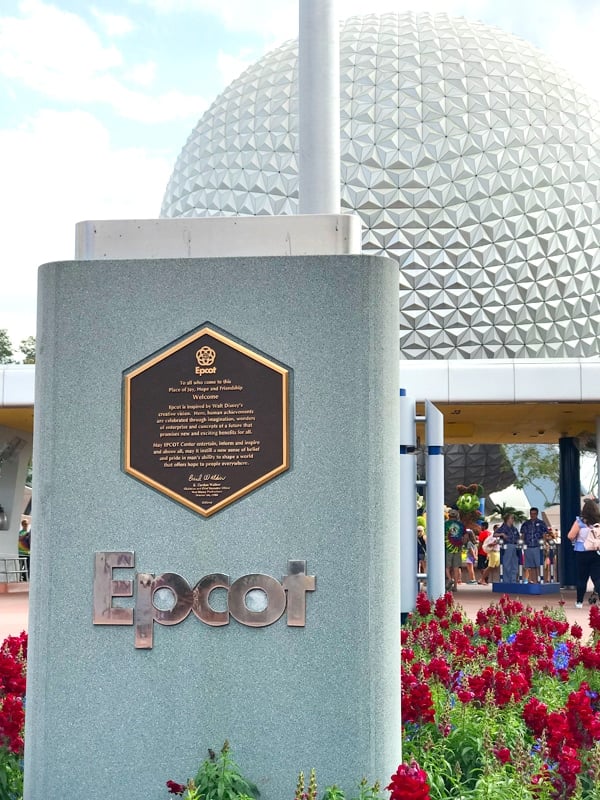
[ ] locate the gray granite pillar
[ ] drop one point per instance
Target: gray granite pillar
(106, 720)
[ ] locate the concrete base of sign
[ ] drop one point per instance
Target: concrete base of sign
(204, 237)
(526, 588)
(113, 721)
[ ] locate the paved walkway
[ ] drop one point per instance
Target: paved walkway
(14, 606)
(472, 598)
(14, 613)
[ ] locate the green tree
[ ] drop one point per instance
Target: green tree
(503, 510)
(6, 351)
(537, 465)
(27, 347)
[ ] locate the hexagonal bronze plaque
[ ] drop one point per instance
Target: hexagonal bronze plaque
(206, 420)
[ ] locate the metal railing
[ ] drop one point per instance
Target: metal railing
(548, 567)
(14, 569)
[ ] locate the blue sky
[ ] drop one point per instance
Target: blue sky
(97, 100)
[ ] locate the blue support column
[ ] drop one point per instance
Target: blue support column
(570, 505)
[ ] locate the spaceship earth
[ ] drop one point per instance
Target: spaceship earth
(471, 159)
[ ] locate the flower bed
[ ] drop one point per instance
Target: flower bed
(503, 708)
(13, 671)
(506, 707)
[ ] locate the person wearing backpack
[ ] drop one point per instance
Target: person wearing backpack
(587, 562)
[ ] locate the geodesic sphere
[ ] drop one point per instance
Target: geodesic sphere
(469, 156)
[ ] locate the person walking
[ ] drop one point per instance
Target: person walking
(492, 548)
(482, 557)
(471, 560)
(421, 550)
(24, 545)
(587, 562)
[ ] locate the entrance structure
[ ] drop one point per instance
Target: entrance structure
(16, 442)
(502, 401)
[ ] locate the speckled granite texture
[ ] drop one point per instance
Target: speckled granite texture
(106, 721)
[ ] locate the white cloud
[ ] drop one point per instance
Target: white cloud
(572, 42)
(113, 24)
(61, 168)
(47, 45)
(565, 29)
(231, 66)
(274, 20)
(143, 74)
(134, 105)
(277, 20)
(73, 66)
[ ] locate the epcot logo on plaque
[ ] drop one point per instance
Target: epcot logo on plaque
(206, 420)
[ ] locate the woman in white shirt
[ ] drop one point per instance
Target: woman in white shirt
(587, 562)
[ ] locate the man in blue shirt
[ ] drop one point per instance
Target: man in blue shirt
(533, 531)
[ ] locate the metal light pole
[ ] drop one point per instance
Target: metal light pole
(319, 108)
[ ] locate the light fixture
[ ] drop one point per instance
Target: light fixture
(3, 520)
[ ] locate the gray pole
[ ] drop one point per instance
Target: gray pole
(434, 439)
(408, 505)
(319, 107)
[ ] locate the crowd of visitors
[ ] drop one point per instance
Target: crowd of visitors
(505, 553)
(513, 555)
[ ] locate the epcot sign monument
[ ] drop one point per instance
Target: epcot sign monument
(226, 378)
(235, 573)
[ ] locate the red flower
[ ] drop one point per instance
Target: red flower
(175, 788)
(502, 754)
(442, 604)
(584, 722)
(423, 604)
(409, 783)
(417, 703)
(484, 632)
(440, 669)
(535, 715)
(589, 658)
(595, 618)
(417, 668)
(569, 767)
(12, 719)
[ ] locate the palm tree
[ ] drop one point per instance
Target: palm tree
(503, 510)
